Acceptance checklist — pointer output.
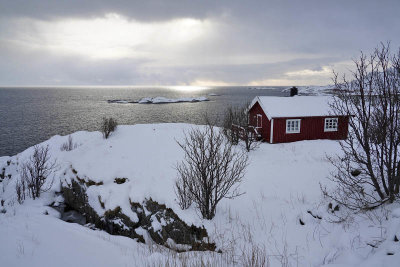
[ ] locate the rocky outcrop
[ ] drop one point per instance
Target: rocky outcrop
(161, 224)
(165, 227)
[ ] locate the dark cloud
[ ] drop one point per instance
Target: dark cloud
(153, 10)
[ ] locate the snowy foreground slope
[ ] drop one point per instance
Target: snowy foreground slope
(282, 215)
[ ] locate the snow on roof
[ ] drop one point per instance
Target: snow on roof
(296, 106)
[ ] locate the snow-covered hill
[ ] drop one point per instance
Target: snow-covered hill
(282, 215)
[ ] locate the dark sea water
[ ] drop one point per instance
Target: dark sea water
(31, 115)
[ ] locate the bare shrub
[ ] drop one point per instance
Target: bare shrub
(250, 137)
(108, 126)
(211, 169)
(37, 170)
(255, 257)
(232, 117)
(183, 195)
(2, 174)
(368, 173)
(20, 189)
(69, 145)
(237, 127)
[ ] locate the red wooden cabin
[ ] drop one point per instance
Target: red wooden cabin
(289, 119)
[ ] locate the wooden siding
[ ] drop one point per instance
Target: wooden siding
(311, 128)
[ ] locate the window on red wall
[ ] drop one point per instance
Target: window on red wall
(331, 125)
(293, 126)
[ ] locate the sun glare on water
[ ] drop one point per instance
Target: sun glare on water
(188, 88)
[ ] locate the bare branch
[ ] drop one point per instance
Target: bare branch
(372, 98)
(211, 170)
(36, 171)
(108, 126)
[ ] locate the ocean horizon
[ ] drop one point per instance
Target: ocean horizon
(32, 114)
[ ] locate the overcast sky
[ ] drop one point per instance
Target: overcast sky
(48, 42)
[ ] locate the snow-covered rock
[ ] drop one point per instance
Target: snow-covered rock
(119, 101)
(263, 88)
(164, 100)
(159, 100)
(160, 223)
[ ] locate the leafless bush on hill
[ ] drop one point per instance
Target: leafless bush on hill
(368, 173)
(20, 189)
(183, 195)
(232, 116)
(249, 137)
(37, 170)
(69, 145)
(211, 170)
(256, 256)
(108, 126)
(236, 127)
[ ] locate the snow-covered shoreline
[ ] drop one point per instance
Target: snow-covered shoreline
(282, 188)
(302, 90)
(313, 89)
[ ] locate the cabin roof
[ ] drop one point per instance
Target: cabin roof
(296, 106)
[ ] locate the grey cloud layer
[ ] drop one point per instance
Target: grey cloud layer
(254, 40)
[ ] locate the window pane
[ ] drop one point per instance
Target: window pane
(292, 126)
(331, 124)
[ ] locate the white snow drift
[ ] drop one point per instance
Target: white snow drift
(281, 216)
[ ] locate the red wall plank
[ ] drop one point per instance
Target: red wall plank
(311, 128)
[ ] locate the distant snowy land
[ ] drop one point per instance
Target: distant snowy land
(282, 214)
(303, 90)
(314, 90)
(160, 100)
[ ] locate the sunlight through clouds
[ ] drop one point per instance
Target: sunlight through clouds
(305, 76)
(324, 71)
(113, 36)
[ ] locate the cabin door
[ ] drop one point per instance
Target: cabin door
(259, 121)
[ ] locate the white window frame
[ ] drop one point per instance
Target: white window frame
(331, 124)
(290, 129)
(259, 118)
